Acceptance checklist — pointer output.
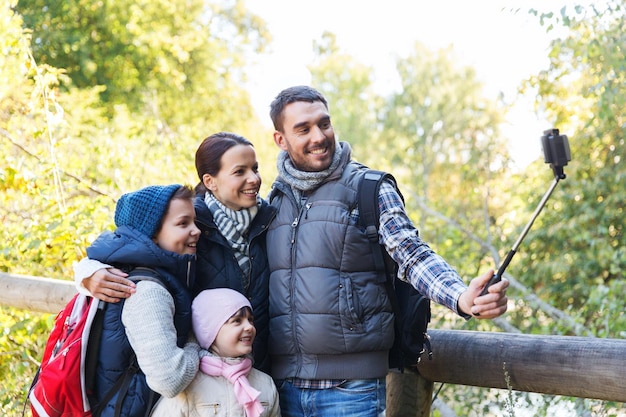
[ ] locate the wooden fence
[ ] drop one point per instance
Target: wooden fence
(556, 365)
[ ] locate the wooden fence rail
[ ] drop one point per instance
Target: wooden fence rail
(44, 295)
(556, 365)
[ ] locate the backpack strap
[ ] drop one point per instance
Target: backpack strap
(146, 274)
(369, 211)
(120, 385)
(369, 218)
(93, 344)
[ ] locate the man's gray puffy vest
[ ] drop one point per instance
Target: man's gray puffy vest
(330, 316)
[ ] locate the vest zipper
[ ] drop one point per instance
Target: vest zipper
(188, 274)
(294, 232)
(294, 226)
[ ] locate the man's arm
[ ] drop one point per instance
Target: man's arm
(429, 272)
(102, 281)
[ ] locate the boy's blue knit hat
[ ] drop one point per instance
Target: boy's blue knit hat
(144, 209)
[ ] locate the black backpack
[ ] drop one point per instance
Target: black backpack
(411, 309)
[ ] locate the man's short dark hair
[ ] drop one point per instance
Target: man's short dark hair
(292, 95)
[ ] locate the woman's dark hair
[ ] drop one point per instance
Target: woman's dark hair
(292, 95)
(210, 151)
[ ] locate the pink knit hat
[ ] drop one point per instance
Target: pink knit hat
(211, 309)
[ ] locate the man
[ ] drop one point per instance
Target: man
(331, 323)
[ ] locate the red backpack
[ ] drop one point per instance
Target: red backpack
(59, 385)
(66, 377)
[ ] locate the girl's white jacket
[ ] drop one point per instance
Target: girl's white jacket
(214, 396)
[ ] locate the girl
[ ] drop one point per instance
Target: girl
(226, 385)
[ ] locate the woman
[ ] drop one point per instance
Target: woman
(233, 220)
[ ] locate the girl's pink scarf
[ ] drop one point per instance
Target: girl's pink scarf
(236, 373)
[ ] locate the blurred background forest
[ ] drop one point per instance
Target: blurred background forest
(101, 97)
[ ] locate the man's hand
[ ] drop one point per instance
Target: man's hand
(109, 285)
(488, 306)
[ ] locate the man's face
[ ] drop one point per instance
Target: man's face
(307, 136)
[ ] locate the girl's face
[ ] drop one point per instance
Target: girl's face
(237, 183)
(236, 335)
(178, 232)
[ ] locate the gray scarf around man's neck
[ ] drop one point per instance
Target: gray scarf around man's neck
(303, 181)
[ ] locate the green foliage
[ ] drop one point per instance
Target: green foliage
(443, 141)
(178, 61)
(578, 249)
(41, 218)
(20, 355)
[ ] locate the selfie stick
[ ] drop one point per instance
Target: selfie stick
(557, 154)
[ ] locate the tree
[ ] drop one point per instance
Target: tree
(579, 251)
(181, 61)
(19, 82)
(442, 138)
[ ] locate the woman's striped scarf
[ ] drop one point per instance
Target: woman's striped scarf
(234, 225)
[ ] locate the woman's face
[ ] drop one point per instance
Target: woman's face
(238, 182)
(178, 232)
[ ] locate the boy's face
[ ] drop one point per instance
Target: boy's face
(178, 232)
(236, 335)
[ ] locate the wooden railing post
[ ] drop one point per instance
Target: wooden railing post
(583, 367)
(408, 394)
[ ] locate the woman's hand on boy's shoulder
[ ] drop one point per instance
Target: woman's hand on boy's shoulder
(110, 285)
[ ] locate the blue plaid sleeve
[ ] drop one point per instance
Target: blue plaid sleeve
(418, 263)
